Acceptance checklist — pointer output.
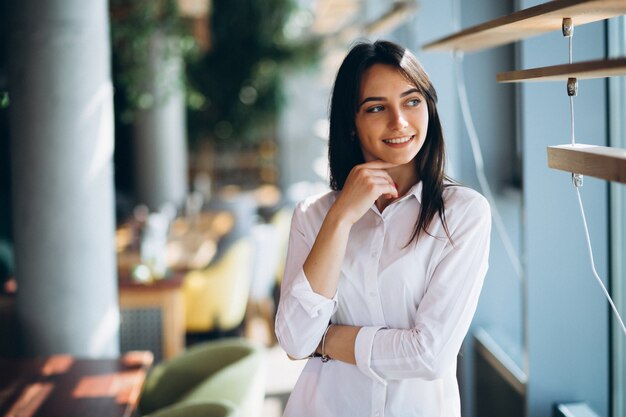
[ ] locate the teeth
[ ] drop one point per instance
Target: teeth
(398, 140)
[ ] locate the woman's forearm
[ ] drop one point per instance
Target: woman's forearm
(339, 343)
(364, 185)
(323, 265)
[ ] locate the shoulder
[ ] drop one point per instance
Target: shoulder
(462, 201)
(312, 210)
(317, 202)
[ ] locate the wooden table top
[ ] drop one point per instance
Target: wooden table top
(64, 386)
(191, 243)
(175, 280)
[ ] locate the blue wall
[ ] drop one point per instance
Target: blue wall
(567, 319)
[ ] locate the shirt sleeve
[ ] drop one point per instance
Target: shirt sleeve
(429, 349)
(302, 315)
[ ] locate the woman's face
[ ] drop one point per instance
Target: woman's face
(392, 117)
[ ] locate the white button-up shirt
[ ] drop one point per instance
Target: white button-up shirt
(414, 304)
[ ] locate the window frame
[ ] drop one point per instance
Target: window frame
(616, 36)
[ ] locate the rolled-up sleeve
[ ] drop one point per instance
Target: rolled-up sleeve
(429, 349)
(302, 314)
(363, 351)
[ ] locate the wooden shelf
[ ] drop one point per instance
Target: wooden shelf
(580, 70)
(529, 22)
(596, 161)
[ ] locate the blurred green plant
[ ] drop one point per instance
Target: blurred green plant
(134, 23)
(235, 90)
(4, 100)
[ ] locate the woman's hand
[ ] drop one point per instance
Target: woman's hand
(364, 185)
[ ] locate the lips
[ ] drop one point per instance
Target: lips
(398, 141)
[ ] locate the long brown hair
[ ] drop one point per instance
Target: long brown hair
(344, 152)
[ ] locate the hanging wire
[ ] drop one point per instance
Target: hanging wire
(593, 265)
(577, 179)
(480, 167)
(571, 114)
(571, 96)
(571, 48)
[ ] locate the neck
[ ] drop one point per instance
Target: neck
(404, 177)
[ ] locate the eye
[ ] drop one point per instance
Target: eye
(414, 102)
(375, 109)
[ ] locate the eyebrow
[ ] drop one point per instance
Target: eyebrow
(406, 93)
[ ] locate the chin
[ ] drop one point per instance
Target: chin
(405, 161)
(402, 159)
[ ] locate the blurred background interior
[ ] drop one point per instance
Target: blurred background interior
(152, 151)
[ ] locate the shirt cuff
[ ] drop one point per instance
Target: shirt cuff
(311, 301)
(363, 352)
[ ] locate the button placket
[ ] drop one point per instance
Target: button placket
(378, 400)
(375, 248)
(371, 283)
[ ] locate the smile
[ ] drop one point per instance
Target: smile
(399, 140)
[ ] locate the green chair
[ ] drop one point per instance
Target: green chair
(221, 374)
(214, 409)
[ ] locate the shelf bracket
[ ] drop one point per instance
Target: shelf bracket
(572, 87)
(567, 27)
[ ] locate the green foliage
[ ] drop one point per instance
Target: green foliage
(4, 100)
(235, 88)
(133, 25)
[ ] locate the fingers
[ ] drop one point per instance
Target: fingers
(378, 174)
(381, 186)
(365, 184)
(369, 181)
(363, 173)
(375, 168)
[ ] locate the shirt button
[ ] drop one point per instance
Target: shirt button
(372, 294)
(377, 413)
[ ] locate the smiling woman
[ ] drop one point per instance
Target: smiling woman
(384, 272)
(391, 128)
(350, 95)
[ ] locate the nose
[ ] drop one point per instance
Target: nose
(397, 120)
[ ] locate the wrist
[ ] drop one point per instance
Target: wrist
(338, 219)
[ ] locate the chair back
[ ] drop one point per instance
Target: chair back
(216, 297)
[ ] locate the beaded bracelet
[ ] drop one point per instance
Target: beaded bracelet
(325, 357)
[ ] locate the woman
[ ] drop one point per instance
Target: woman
(383, 273)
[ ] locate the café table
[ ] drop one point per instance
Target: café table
(67, 386)
(191, 245)
(166, 295)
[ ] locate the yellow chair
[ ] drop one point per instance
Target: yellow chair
(262, 310)
(282, 222)
(216, 297)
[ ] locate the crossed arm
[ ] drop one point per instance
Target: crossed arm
(365, 184)
(424, 351)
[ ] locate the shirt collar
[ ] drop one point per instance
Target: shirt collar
(416, 190)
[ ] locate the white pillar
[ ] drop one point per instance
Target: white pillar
(61, 120)
(160, 131)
